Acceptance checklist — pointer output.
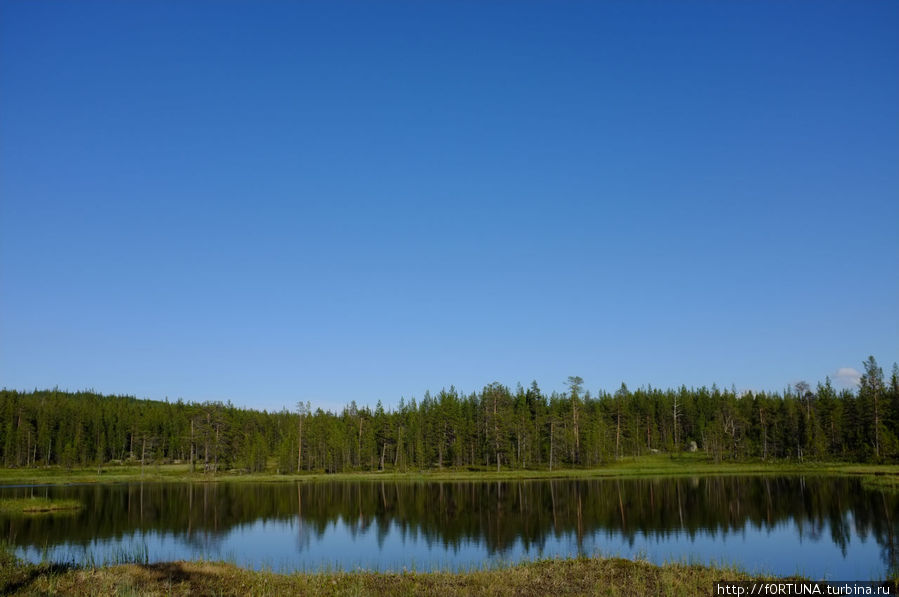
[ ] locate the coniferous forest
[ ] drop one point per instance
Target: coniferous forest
(496, 428)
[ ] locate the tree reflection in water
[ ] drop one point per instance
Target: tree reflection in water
(497, 515)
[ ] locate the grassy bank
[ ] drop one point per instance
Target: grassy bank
(37, 505)
(585, 576)
(884, 476)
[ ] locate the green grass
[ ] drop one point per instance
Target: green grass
(37, 505)
(882, 482)
(581, 576)
(884, 476)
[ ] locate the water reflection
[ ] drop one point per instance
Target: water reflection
(819, 526)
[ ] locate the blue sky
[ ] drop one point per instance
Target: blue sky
(268, 202)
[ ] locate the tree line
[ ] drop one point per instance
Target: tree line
(495, 428)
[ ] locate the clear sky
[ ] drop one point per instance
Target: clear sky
(274, 201)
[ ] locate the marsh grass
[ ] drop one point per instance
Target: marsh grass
(37, 505)
(882, 482)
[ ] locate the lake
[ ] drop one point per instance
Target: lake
(823, 527)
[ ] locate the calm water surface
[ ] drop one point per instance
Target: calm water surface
(817, 526)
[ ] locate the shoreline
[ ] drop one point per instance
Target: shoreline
(885, 476)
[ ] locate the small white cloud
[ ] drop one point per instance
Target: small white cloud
(847, 376)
